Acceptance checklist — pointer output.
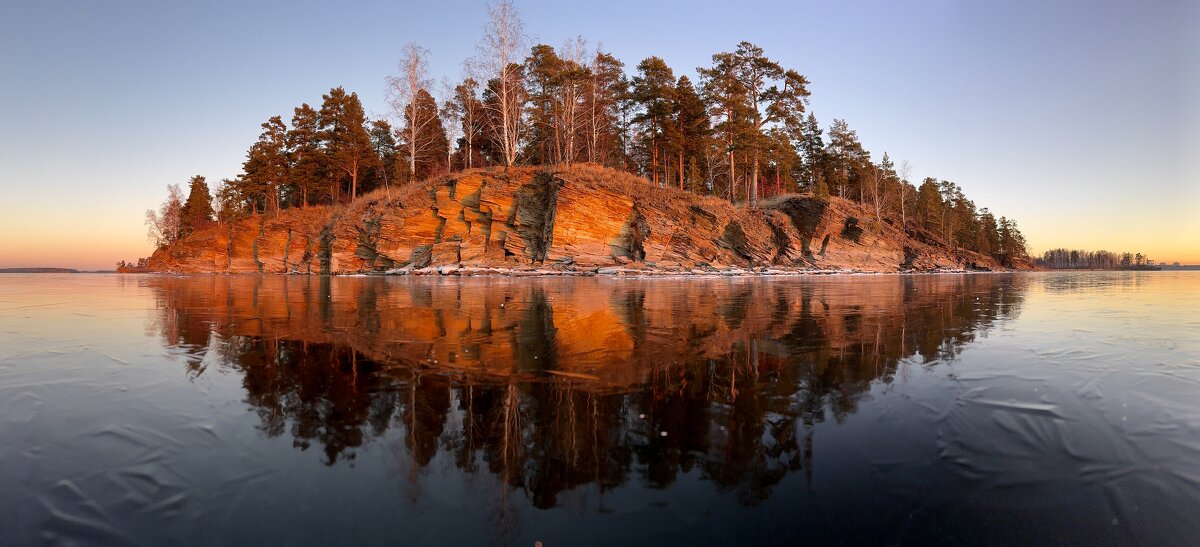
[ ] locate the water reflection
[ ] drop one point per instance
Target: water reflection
(551, 384)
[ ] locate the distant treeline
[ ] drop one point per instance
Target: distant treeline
(742, 132)
(1075, 259)
(38, 270)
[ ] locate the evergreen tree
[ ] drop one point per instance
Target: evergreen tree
(425, 141)
(543, 70)
(308, 162)
(227, 203)
(691, 129)
(266, 167)
(950, 193)
(653, 92)
(781, 163)
(882, 184)
(347, 144)
(726, 96)
(769, 96)
(197, 211)
(384, 144)
(929, 205)
(989, 237)
(812, 145)
(468, 109)
(844, 154)
(1012, 243)
(605, 87)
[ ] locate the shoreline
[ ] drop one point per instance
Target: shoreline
(610, 272)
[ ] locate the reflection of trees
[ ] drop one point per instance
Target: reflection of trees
(503, 378)
(318, 392)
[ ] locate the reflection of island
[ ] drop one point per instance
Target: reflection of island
(551, 383)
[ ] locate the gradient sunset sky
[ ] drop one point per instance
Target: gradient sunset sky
(1078, 119)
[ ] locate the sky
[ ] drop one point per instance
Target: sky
(1078, 119)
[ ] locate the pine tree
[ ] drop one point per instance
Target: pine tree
(881, 183)
(384, 145)
(989, 239)
(308, 162)
(1012, 243)
(727, 99)
(605, 87)
(812, 145)
(929, 205)
(197, 211)
(781, 163)
(653, 92)
(227, 203)
(425, 141)
(347, 143)
(543, 70)
(468, 110)
(769, 96)
(691, 128)
(845, 155)
(266, 167)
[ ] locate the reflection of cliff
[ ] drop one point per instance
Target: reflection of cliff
(552, 384)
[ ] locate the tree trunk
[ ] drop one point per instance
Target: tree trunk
(752, 186)
(653, 157)
(732, 178)
(681, 168)
(470, 142)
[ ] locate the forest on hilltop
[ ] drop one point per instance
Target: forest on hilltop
(742, 132)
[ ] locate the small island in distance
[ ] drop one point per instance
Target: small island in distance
(39, 270)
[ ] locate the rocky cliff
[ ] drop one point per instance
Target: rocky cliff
(580, 219)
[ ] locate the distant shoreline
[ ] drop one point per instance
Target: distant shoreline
(38, 270)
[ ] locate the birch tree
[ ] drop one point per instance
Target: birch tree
(466, 107)
(905, 188)
(602, 97)
(452, 124)
(499, 56)
(404, 91)
(572, 81)
(163, 227)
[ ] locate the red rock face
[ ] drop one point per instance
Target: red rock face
(584, 217)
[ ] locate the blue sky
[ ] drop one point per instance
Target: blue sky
(1078, 119)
